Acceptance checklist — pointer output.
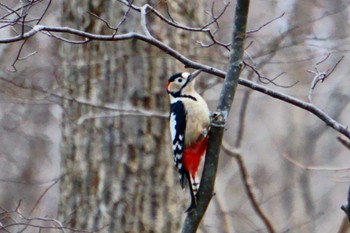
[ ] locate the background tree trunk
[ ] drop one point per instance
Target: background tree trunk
(119, 171)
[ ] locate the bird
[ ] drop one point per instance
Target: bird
(189, 122)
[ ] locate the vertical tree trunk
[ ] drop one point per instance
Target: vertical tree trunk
(119, 171)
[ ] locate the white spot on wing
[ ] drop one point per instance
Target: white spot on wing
(172, 126)
(177, 146)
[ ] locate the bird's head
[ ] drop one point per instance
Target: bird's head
(181, 83)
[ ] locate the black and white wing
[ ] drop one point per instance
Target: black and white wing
(177, 120)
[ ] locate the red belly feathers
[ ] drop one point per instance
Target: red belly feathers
(192, 156)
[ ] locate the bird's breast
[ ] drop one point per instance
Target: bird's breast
(197, 120)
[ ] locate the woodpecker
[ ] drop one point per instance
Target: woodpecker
(189, 123)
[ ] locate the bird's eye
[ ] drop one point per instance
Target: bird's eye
(179, 80)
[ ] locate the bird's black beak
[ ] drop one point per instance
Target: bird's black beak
(194, 75)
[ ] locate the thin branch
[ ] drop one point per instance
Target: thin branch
(144, 21)
(126, 112)
(242, 115)
(215, 18)
(190, 64)
(301, 104)
(43, 194)
(207, 183)
(120, 22)
(247, 186)
(37, 204)
(38, 221)
(44, 12)
(324, 59)
(14, 11)
(345, 142)
(118, 111)
(41, 227)
(335, 66)
(168, 12)
(27, 56)
(103, 20)
(60, 38)
(13, 65)
(321, 76)
(265, 24)
(225, 217)
(266, 80)
(9, 9)
(124, 17)
(175, 24)
(314, 168)
(172, 22)
(24, 9)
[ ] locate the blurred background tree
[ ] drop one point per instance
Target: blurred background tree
(118, 170)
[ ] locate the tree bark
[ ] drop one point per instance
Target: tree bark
(119, 172)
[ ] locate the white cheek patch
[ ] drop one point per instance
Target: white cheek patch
(185, 75)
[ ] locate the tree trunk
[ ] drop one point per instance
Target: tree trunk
(119, 171)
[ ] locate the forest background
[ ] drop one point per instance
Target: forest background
(84, 140)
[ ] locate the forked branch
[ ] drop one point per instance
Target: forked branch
(207, 183)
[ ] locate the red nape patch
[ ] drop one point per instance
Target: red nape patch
(192, 156)
(167, 86)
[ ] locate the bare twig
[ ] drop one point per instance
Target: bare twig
(13, 65)
(265, 24)
(241, 115)
(20, 8)
(35, 222)
(28, 55)
(314, 168)
(44, 12)
(266, 80)
(22, 17)
(190, 64)
(324, 59)
(86, 40)
(247, 186)
(124, 17)
(172, 22)
(175, 24)
(10, 10)
(126, 112)
(343, 141)
(117, 111)
(225, 216)
(321, 76)
(120, 22)
(43, 194)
